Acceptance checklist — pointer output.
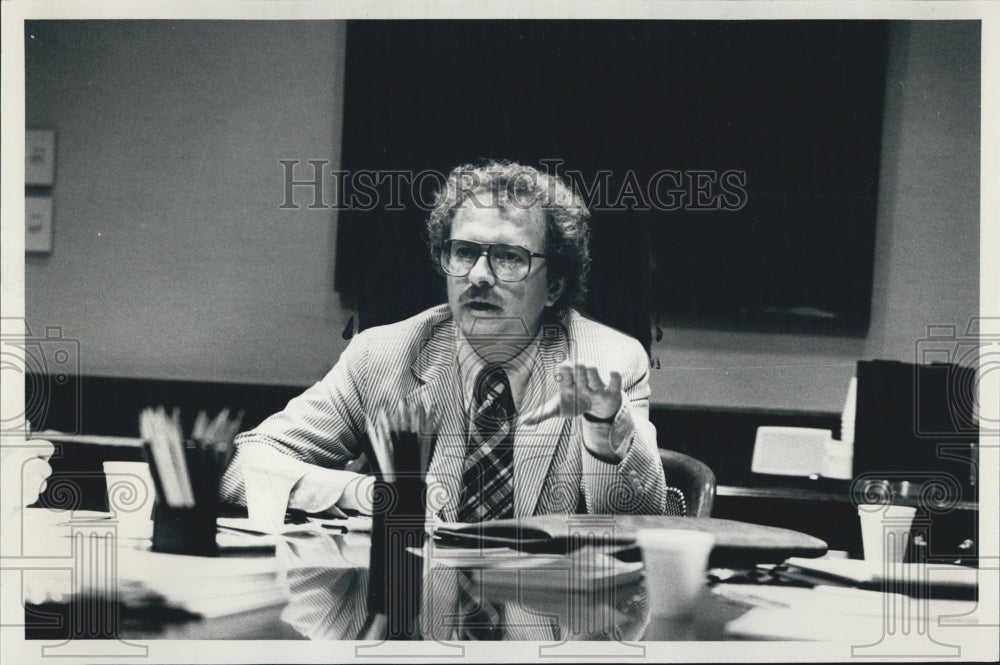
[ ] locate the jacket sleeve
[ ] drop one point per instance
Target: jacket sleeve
(322, 427)
(635, 484)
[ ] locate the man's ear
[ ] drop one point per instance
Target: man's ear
(556, 287)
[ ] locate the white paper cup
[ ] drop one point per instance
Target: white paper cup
(675, 560)
(131, 494)
(885, 531)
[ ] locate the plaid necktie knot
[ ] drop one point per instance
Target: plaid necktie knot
(492, 380)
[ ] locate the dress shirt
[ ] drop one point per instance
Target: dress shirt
(519, 369)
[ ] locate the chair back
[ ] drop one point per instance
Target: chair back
(692, 477)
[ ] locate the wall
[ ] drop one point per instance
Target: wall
(926, 247)
(172, 259)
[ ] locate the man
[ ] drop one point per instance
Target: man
(493, 364)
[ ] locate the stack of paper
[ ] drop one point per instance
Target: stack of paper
(145, 582)
(207, 586)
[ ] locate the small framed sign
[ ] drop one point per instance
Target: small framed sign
(38, 224)
(39, 157)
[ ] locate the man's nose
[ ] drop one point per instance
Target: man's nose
(481, 273)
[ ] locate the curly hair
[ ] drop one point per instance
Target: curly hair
(513, 185)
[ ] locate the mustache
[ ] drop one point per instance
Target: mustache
(481, 294)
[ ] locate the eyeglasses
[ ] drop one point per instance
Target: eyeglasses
(510, 263)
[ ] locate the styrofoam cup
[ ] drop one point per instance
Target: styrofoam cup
(675, 560)
(885, 530)
(131, 495)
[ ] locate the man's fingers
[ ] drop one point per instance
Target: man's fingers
(568, 377)
(615, 384)
(581, 383)
(587, 377)
(594, 380)
(565, 375)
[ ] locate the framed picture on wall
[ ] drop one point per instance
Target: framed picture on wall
(38, 224)
(39, 157)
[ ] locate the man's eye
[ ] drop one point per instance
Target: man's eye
(464, 252)
(511, 257)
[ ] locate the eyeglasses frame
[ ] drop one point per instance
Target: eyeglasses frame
(484, 250)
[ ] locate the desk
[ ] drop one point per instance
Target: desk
(820, 507)
(324, 585)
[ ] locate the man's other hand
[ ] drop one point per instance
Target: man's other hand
(330, 491)
(582, 390)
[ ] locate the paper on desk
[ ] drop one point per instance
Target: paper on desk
(508, 568)
(137, 564)
(256, 599)
(238, 541)
(485, 558)
(248, 526)
(207, 586)
(862, 572)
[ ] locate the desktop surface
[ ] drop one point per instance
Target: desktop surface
(313, 582)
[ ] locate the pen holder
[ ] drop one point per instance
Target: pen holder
(190, 529)
(396, 573)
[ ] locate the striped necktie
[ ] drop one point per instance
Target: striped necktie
(488, 477)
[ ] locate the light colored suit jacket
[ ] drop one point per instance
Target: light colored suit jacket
(414, 360)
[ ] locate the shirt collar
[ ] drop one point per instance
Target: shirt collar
(519, 368)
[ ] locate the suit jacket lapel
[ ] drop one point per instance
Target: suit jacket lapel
(536, 446)
(436, 369)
